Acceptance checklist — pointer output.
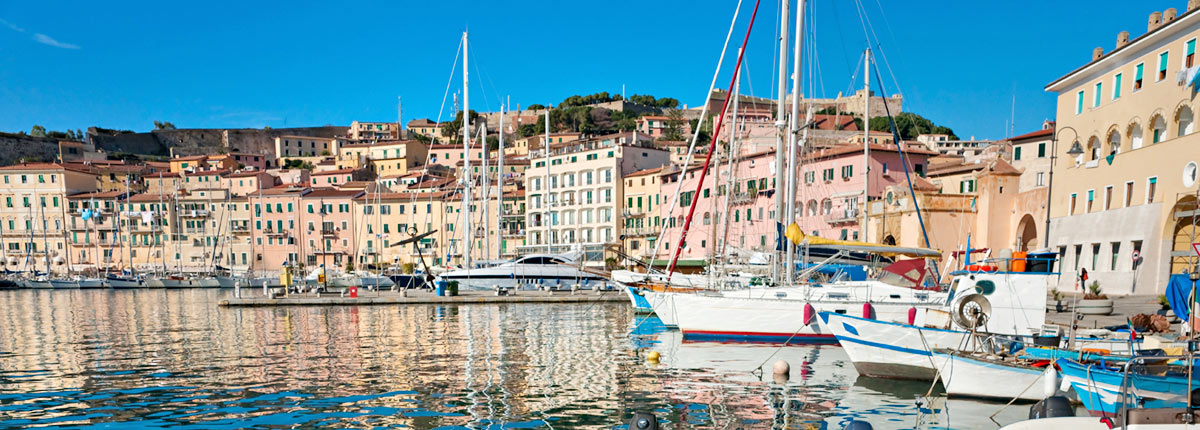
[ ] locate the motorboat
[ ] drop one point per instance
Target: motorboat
(64, 284)
(553, 271)
(123, 282)
(39, 283)
(985, 376)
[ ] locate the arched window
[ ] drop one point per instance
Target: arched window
(1185, 118)
(826, 207)
(1158, 129)
(1135, 136)
(1093, 148)
(1114, 142)
(707, 219)
(812, 208)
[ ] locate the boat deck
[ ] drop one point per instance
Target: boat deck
(425, 297)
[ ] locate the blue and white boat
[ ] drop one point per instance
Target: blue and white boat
(1099, 388)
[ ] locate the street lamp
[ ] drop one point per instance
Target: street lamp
(1075, 150)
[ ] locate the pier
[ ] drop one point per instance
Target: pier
(422, 297)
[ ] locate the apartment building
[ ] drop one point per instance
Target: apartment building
(640, 217)
(387, 158)
(328, 231)
(305, 146)
(448, 156)
(202, 179)
(248, 182)
(1125, 166)
(146, 228)
(163, 182)
(274, 231)
(425, 127)
(205, 220)
(574, 195)
(1030, 153)
(360, 130)
(94, 239)
(34, 213)
(522, 146)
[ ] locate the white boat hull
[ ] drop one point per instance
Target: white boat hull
(64, 284)
(883, 349)
(664, 306)
(125, 283)
(40, 285)
(965, 376)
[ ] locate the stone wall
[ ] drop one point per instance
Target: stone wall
(14, 147)
(202, 140)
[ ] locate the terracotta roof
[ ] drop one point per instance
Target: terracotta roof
(923, 184)
(97, 195)
(150, 198)
(206, 172)
(997, 166)
(405, 196)
(831, 122)
(432, 183)
(329, 192)
(335, 172)
(161, 175)
(453, 146)
(282, 190)
(190, 158)
(514, 194)
(33, 167)
(644, 172)
(1031, 135)
(247, 174)
(857, 148)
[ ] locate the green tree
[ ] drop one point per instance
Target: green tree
(163, 125)
(910, 125)
(674, 129)
(453, 131)
(535, 106)
(37, 131)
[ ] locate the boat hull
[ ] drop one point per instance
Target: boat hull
(965, 376)
(1099, 389)
(40, 285)
(663, 304)
(640, 304)
(64, 284)
(125, 284)
(891, 350)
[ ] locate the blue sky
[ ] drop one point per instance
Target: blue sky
(253, 64)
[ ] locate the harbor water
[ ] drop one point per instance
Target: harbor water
(160, 358)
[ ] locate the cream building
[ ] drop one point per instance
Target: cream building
(33, 213)
(374, 130)
(1125, 161)
(305, 146)
(387, 158)
(576, 200)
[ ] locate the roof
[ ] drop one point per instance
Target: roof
(1035, 134)
(1178, 21)
(247, 174)
(282, 190)
(33, 167)
(328, 192)
(148, 198)
(405, 195)
(97, 195)
(432, 183)
(206, 172)
(335, 172)
(997, 166)
(190, 158)
(161, 175)
(923, 184)
(422, 122)
(453, 146)
(514, 194)
(379, 143)
(856, 148)
(292, 136)
(832, 122)
(644, 172)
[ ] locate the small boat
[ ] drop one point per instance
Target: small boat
(1099, 387)
(978, 375)
(232, 281)
(64, 284)
(640, 303)
(91, 283)
(374, 281)
(40, 283)
(119, 282)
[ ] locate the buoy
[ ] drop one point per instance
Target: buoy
(810, 314)
(912, 316)
(652, 357)
(781, 368)
(858, 425)
(1050, 381)
(868, 311)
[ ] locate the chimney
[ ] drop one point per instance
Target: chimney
(1155, 21)
(1097, 53)
(1123, 38)
(1168, 15)
(1193, 4)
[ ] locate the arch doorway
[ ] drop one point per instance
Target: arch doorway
(1026, 234)
(889, 240)
(1184, 232)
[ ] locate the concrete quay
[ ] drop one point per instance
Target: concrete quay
(1123, 307)
(423, 297)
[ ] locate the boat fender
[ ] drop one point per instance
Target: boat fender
(858, 425)
(1050, 382)
(810, 314)
(653, 357)
(781, 368)
(1051, 407)
(912, 315)
(868, 311)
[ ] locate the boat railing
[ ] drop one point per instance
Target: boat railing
(1027, 264)
(1126, 394)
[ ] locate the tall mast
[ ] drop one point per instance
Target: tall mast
(45, 243)
(485, 186)
(466, 115)
(500, 182)
(785, 11)
(862, 228)
(546, 178)
(729, 152)
(794, 129)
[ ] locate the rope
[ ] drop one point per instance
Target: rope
(1014, 399)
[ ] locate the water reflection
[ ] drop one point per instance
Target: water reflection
(158, 358)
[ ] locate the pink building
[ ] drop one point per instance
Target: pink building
(750, 202)
(257, 161)
(831, 185)
(202, 179)
(328, 230)
(448, 156)
(336, 178)
(248, 182)
(275, 218)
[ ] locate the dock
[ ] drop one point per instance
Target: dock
(423, 297)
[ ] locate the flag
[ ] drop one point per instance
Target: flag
(1194, 80)
(1132, 331)
(1110, 157)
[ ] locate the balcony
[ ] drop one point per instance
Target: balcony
(241, 228)
(842, 215)
(743, 198)
(424, 250)
(275, 233)
(640, 231)
(512, 232)
(194, 213)
(370, 251)
(329, 232)
(147, 227)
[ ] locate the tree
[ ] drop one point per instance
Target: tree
(535, 106)
(453, 130)
(163, 125)
(674, 129)
(910, 125)
(493, 142)
(650, 100)
(325, 153)
(37, 131)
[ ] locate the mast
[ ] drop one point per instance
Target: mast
(466, 115)
(794, 129)
(485, 186)
(128, 238)
(862, 228)
(45, 243)
(785, 12)
(500, 183)
(733, 155)
(733, 133)
(546, 178)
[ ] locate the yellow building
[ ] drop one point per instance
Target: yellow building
(387, 158)
(33, 213)
(1126, 159)
(642, 189)
(523, 146)
(94, 238)
(145, 226)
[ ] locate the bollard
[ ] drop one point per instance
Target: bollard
(237, 289)
(574, 289)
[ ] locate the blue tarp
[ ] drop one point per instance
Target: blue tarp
(853, 273)
(1179, 289)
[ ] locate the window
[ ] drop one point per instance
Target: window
(1191, 52)
(1108, 191)
(1096, 97)
(1162, 65)
(1017, 154)
(1091, 197)
(1128, 194)
(1042, 150)
(1137, 249)
(1071, 205)
(1137, 77)
(1116, 249)
(1151, 185)
(1079, 103)
(1041, 179)
(1116, 86)
(1095, 255)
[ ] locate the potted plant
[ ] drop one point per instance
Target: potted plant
(1165, 305)
(1057, 296)
(1095, 302)
(452, 288)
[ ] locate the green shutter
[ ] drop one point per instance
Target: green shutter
(1138, 75)
(1117, 87)
(1017, 153)
(1162, 61)
(1191, 47)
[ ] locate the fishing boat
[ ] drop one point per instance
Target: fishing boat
(987, 376)
(1099, 387)
(555, 271)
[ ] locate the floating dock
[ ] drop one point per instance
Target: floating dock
(417, 297)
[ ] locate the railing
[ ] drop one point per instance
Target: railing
(147, 227)
(194, 213)
(844, 215)
(512, 232)
(328, 232)
(742, 198)
(241, 229)
(271, 232)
